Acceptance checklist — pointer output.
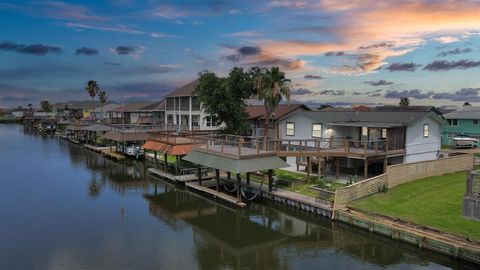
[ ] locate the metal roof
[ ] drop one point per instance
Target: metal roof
(467, 112)
(235, 165)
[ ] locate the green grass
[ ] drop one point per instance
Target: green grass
(435, 202)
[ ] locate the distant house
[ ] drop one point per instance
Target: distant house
(256, 118)
(81, 109)
(184, 109)
(140, 113)
(403, 137)
(465, 120)
(18, 114)
(102, 112)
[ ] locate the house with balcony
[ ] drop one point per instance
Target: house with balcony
(257, 114)
(358, 142)
(465, 120)
(184, 109)
(139, 113)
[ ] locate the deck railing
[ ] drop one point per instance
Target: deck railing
(124, 128)
(238, 146)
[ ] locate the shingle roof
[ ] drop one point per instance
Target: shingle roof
(107, 108)
(467, 112)
(135, 107)
(186, 90)
(258, 111)
(374, 118)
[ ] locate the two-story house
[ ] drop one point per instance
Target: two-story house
(182, 108)
(465, 120)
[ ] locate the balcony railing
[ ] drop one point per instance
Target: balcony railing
(241, 146)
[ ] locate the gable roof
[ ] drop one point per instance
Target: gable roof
(183, 91)
(369, 118)
(258, 111)
(467, 112)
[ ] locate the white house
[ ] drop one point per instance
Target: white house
(183, 109)
(404, 137)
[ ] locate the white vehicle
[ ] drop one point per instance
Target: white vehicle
(464, 141)
(134, 151)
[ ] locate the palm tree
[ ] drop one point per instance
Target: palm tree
(404, 102)
(92, 88)
(271, 87)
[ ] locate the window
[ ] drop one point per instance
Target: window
(384, 133)
(169, 119)
(196, 120)
(426, 130)
(475, 121)
(453, 122)
(170, 104)
(195, 104)
(316, 130)
(184, 104)
(211, 121)
(364, 131)
(290, 129)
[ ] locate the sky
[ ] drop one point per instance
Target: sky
(335, 52)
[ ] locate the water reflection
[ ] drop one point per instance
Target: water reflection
(74, 209)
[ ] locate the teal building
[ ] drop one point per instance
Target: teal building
(466, 121)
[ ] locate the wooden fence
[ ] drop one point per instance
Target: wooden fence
(399, 174)
(359, 190)
(404, 173)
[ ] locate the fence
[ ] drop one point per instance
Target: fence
(404, 173)
(399, 174)
(359, 190)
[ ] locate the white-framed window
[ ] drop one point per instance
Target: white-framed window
(384, 133)
(196, 120)
(316, 130)
(475, 121)
(364, 131)
(452, 122)
(211, 121)
(290, 130)
(426, 130)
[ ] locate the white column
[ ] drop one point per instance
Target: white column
(190, 113)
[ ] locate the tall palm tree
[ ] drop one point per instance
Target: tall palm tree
(92, 88)
(271, 87)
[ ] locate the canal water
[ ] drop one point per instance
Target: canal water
(64, 207)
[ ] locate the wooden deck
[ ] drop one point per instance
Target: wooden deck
(282, 193)
(113, 155)
(178, 178)
(98, 149)
(218, 195)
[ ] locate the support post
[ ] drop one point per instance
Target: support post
(217, 177)
(319, 167)
(155, 156)
(199, 171)
(239, 183)
(337, 168)
(165, 162)
(385, 163)
(270, 180)
(308, 169)
(365, 168)
(229, 175)
(248, 179)
(177, 160)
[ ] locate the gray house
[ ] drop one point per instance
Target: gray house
(365, 139)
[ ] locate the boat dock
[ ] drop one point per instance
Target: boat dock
(179, 178)
(97, 149)
(217, 195)
(114, 155)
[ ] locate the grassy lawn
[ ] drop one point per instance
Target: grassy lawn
(435, 202)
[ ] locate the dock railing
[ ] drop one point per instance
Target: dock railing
(125, 128)
(232, 145)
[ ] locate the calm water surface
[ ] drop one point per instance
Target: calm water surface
(63, 207)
